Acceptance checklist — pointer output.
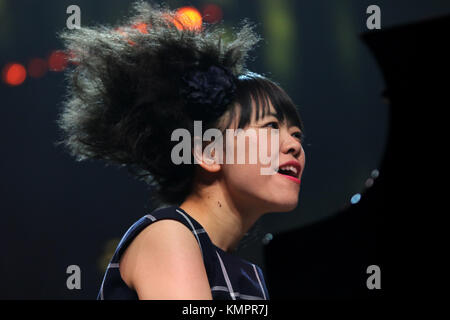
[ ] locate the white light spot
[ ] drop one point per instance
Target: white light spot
(369, 183)
(375, 173)
(267, 238)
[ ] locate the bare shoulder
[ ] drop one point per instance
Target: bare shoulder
(165, 262)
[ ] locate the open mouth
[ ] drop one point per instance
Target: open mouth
(290, 170)
(292, 178)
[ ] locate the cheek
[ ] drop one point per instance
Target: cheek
(245, 180)
(252, 161)
(241, 173)
(245, 184)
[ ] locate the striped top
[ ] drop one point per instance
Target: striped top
(230, 277)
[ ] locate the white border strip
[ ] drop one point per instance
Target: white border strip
(225, 275)
(260, 284)
(243, 296)
(149, 216)
(193, 229)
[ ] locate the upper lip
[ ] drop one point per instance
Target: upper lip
(293, 163)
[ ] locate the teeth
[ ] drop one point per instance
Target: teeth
(291, 168)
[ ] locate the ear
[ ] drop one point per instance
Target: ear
(206, 158)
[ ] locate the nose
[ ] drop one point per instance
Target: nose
(290, 144)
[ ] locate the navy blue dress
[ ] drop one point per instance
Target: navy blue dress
(230, 277)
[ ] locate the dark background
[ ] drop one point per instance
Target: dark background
(56, 212)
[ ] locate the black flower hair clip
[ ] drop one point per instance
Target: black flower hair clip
(208, 92)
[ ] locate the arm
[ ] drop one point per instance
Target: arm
(164, 262)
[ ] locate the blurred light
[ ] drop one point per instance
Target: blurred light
(108, 251)
(267, 238)
(281, 31)
(125, 35)
(142, 27)
(375, 173)
(121, 32)
(72, 58)
(355, 199)
(369, 183)
(37, 67)
(57, 60)
(14, 74)
(212, 13)
(190, 17)
(347, 44)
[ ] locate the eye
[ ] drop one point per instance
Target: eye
(299, 135)
(272, 124)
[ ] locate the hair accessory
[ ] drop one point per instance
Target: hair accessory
(208, 92)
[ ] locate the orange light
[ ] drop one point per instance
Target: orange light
(57, 60)
(189, 17)
(170, 20)
(14, 74)
(37, 67)
(125, 35)
(121, 32)
(142, 27)
(212, 13)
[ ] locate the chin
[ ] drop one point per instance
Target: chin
(285, 206)
(288, 207)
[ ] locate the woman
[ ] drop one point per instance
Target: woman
(131, 88)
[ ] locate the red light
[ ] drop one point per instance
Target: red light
(37, 67)
(212, 13)
(57, 60)
(72, 57)
(14, 74)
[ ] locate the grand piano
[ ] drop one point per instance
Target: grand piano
(388, 227)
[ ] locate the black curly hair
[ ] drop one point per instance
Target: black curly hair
(123, 100)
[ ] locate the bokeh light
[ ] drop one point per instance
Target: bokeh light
(190, 17)
(37, 67)
(142, 27)
(57, 60)
(355, 199)
(267, 238)
(212, 13)
(14, 74)
(369, 182)
(375, 173)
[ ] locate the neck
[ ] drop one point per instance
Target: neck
(224, 221)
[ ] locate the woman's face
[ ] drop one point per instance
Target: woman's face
(247, 184)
